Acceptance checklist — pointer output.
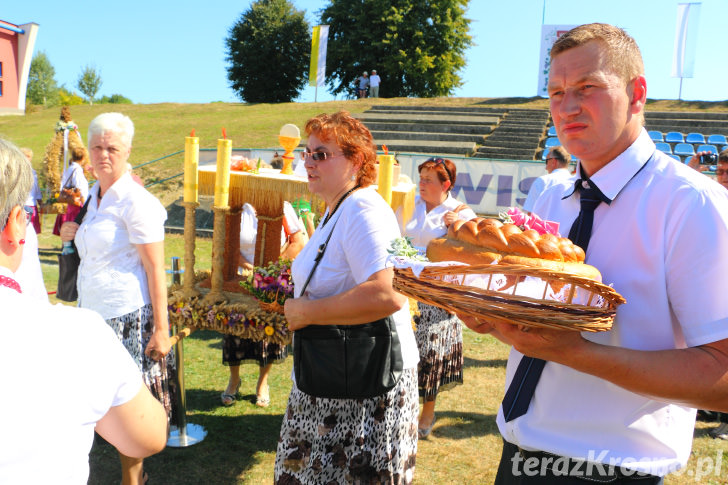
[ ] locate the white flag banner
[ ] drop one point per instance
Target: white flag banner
(549, 34)
(317, 69)
(686, 37)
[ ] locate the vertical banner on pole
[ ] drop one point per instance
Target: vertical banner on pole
(686, 36)
(549, 34)
(317, 69)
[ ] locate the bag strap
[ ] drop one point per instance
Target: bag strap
(319, 255)
(79, 218)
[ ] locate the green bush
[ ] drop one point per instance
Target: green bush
(67, 98)
(115, 99)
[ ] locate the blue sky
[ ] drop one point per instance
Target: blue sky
(164, 51)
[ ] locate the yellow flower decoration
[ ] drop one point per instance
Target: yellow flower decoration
(269, 330)
(180, 304)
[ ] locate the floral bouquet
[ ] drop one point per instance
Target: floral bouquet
(271, 285)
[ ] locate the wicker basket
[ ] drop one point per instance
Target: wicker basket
(442, 286)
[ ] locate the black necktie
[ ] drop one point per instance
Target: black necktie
(523, 386)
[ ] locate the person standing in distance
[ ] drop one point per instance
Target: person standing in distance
(374, 82)
(626, 397)
(557, 166)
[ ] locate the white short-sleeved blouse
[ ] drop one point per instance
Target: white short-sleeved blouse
(249, 229)
(365, 227)
(111, 277)
(426, 226)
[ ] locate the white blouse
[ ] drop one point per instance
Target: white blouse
(111, 277)
(249, 229)
(357, 249)
(426, 226)
(73, 177)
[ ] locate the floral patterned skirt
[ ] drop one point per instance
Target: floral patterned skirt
(238, 350)
(350, 440)
(134, 331)
(439, 338)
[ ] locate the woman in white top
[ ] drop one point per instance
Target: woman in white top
(122, 275)
(325, 440)
(439, 334)
(73, 177)
(236, 350)
(94, 383)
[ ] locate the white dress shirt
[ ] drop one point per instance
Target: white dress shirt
(426, 226)
(656, 244)
(30, 273)
(86, 371)
(542, 183)
(111, 277)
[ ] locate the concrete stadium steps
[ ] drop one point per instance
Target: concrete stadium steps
(462, 149)
(429, 118)
(504, 133)
(707, 123)
(428, 135)
(517, 137)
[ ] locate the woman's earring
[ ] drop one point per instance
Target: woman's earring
(353, 178)
(21, 242)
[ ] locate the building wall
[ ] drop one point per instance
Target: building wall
(9, 60)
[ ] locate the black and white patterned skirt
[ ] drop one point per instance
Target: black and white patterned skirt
(439, 338)
(350, 440)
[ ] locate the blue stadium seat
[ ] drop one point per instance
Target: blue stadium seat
(717, 140)
(695, 138)
(664, 147)
(552, 131)
(707, 148)
(552, 141)
(675, 157)
(724, 147)
(656, 135)
(684, 150)
(674, 137)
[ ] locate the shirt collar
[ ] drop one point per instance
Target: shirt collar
(612, 177)
(118, 189)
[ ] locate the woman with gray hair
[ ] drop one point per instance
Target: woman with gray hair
(121, 275)
(94, 382)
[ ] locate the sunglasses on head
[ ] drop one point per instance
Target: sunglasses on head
(441, 161)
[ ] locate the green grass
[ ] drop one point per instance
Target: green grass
(240, 446)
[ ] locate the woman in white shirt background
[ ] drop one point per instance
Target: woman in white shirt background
(236, 350)
(73, 177)
(122, 274)
(439, 333)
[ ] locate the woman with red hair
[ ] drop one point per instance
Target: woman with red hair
(370, 439)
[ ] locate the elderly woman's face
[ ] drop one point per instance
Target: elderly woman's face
(330, 177)
(109, 155)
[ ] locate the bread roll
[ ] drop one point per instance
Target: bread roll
(485, 241)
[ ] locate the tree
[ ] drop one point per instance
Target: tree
(42, 86)
(268, 49)
(416, 46)
(67, 98)
(89, 83)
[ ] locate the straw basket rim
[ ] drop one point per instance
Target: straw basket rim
(517, 309)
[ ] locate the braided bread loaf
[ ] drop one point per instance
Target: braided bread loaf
(485, 241)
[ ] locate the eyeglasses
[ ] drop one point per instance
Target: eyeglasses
(317, 156)
(441, 161)
(552, 158)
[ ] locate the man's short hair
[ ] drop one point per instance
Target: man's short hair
(723, 156)
(623, 54)
(560, 153)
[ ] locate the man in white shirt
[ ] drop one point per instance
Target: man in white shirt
(619, 406)
(557, 166)
(374, 81)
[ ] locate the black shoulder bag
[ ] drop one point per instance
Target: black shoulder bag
(346, 361)
(68, 263)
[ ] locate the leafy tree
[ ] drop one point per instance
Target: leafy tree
(68, 98)
(416, 46)
(89, 82)
(42, 86)
(115, 99)
(268, 49)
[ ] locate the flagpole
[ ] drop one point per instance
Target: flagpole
(315, 93)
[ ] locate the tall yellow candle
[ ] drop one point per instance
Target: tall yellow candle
(192, 158)
(222, 173)
(386, 172)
